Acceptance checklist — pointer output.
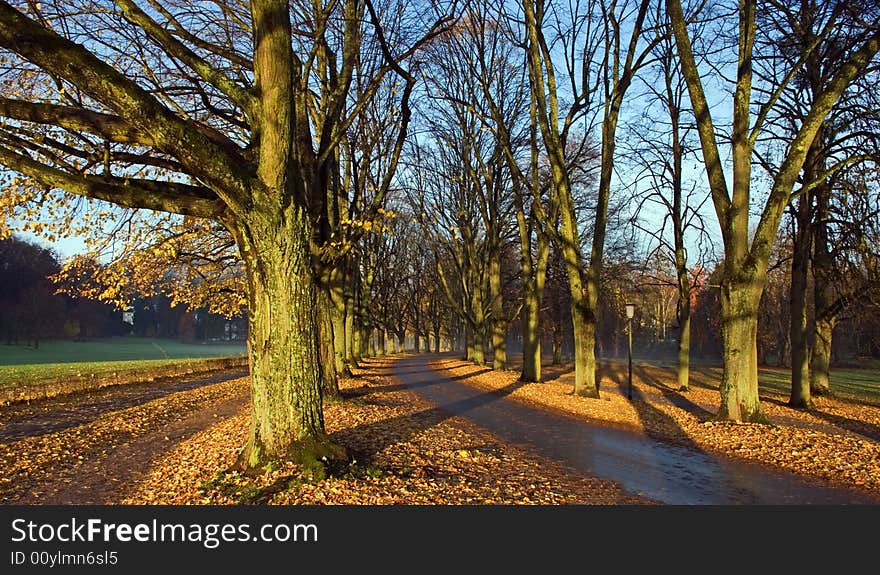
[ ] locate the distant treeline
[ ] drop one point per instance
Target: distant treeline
(31, 310)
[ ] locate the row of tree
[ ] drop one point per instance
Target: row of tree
(352, 170)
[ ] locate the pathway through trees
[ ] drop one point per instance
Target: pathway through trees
(93, 447)
(667, 473)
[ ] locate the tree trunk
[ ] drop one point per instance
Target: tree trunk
(283, 343)
(337, 311)
(383, 346)
(351, 349)
(499, 324)
(820, 357)
(326, 340)
(583, 323)
(739, 328)
(824, 298)
(476, 351)
(800, 367)
(684, 341)
(557, 346)
(534, 274)
(531, 369)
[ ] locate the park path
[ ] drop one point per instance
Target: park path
(666, 473)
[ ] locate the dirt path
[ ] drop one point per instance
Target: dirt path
(94, 451)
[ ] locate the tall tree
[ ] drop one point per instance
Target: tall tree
(788, 32)
(601, 48)
(747, 251)
(661, 143)
(224, 111)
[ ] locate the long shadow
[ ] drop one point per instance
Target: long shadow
(459, 377)
(403, 427)
(555, 371)
(869, 430)
(377, 385)
(19, 421)
(650, 415)
(676, 398)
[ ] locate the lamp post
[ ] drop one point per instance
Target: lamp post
(630, 313)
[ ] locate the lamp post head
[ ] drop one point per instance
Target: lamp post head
(630, 310)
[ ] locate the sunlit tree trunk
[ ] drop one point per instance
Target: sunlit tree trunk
(684, 343)
(739, 325)
(499, 322)
(283, 336)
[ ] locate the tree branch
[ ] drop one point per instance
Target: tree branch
(131, 193)
(201, 156)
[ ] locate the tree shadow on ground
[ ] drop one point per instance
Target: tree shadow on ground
(387, 432)
(676, 398)
(650, 416)
(869, 430)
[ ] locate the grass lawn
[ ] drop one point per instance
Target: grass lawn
(860, 384)
(58, 359)
(850, 382)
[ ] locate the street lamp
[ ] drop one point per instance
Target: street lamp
(630, 313)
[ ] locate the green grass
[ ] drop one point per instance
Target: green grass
(855, 383)
(58, 359)
(860, 383)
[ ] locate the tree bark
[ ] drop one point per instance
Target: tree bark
(327, 345)
(499, 323)
(739, 328)
(436, 338)
(283, 342)
(684, 344)
(824, 298)
(800, 263)
(582, 317)
(336, 293)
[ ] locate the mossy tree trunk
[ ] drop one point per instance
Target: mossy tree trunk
(283, 336)
(739, 328)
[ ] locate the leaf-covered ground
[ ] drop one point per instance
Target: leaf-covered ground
(179, 448)
(404, 453)
(837, 442)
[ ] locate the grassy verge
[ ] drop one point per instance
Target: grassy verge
(64, 367)
(113, 349)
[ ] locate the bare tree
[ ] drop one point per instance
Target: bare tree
(747, 250)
